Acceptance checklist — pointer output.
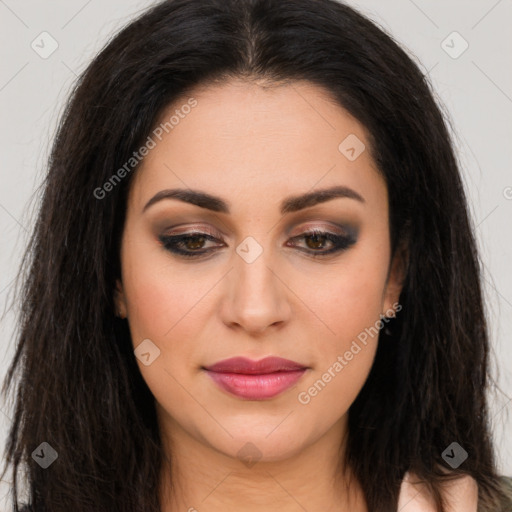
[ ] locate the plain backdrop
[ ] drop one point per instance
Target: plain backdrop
(464, 46)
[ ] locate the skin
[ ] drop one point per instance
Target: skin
(253, 147)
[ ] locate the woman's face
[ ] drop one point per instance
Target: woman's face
(264, 287)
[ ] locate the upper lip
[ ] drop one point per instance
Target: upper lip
(248, 366)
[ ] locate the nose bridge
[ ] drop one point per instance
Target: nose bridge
(257, 296)
(253, 273)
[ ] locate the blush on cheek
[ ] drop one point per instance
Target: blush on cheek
(348, 313)
(153, 309)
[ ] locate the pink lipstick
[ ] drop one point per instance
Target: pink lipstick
(255, 380)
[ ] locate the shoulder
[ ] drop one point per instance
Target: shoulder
(506, 484)
(461, 495)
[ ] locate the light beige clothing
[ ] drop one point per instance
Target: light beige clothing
(461, 496)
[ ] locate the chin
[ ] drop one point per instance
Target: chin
(259, 446)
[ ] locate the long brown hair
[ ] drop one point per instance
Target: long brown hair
(79, 386)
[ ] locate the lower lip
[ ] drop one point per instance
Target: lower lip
(256, 387)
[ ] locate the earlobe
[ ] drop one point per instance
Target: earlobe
(119, 300)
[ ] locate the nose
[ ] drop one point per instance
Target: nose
(256, 296)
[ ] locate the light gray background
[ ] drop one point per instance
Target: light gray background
(475, 87)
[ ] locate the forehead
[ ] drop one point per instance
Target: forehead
(242, 139)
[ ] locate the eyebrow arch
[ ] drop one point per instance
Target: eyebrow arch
(289, 205)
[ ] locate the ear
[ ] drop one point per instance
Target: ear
(395, 281)
(120, 300)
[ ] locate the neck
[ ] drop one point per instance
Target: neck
(199, 477)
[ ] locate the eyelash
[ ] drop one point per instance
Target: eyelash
(340, 242)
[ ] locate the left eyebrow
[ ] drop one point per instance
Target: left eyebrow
(289, 205)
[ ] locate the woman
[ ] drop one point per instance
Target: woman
(253, 283)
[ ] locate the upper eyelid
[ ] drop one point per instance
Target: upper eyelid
(210, 237)
(212, 233)
(335, 230)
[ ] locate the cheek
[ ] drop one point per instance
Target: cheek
(349, 304)
(344, 355)
(345, 300)
(155, 306)
(160, 297)
(164, 307)
(334, 385)
(170, 307)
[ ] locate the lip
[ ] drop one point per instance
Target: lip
(247, 366)
(255, 380)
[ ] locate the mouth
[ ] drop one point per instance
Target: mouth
(255, 380)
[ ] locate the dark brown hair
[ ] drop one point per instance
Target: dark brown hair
(79, 386)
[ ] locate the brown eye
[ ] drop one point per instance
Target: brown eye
(317, 239)
(194, 242)
(188, 244)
